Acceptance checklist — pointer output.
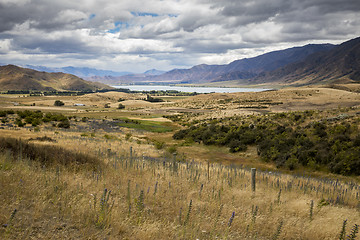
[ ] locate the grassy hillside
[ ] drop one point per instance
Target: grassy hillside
(132, 196)
(16, 78)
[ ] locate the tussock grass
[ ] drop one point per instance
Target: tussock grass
(141, 197)
(47, 155)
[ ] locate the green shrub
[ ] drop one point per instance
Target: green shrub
(59, 103)
(172, 149)
(35, 122)
(128, 136)
(121, 106)
(64, 124)
(151, 99)
(159, 144)
(19, 122)
(334, 145)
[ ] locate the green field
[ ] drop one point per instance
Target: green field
(150, 126)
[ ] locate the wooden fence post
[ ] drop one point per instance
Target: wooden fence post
(208, 170)
(174, 163)
(253, 175)
(130, 160)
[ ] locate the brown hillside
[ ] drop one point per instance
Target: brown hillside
(17, 78)
(339, 65)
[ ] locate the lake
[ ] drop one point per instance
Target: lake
(189, 89)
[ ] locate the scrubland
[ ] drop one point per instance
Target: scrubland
(125, 182)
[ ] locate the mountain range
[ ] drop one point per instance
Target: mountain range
(341, 64)
(126, 79)
(243, 69)
(310, 64)
(82, 72)
(247, 68)
(16, 78)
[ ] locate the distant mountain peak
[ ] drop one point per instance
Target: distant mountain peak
(82, 72)
(153, 72)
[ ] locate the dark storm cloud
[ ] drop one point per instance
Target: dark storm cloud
(246, 12)
(10, 16)
(45, 15)
(261, 10)
(329, 6)
(55, 46)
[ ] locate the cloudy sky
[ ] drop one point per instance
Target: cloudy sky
(134, 35)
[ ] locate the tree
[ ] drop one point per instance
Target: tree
(59, 103)
(151, 99)
(121, 106)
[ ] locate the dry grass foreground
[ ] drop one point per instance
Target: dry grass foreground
(132, 196)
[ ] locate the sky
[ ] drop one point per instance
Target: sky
(135, 36)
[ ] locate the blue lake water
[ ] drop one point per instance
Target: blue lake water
(189, 89)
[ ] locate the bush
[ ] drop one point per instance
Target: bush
(357, 141)
(237, 146)
(59, 103)
(64, 124)
(317, 145)
(181, 134)
(26, 113)
(172, 149)
(35, 122)
(121, 106)
(19, 122)
(159, 145)
(10, 112)
(128, 136)
(151, 99)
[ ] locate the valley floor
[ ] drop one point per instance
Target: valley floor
(119, 174)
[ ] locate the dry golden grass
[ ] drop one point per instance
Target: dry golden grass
(55, 203)
(206, 105)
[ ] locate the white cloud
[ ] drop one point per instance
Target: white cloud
(5, 46)
(166, 34)
(70, 16)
